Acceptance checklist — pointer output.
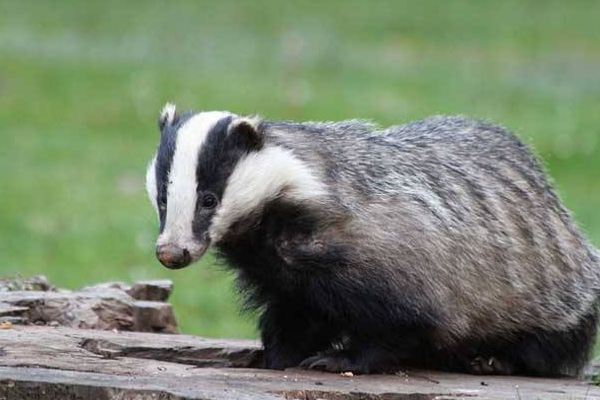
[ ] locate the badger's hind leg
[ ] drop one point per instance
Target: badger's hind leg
(540, 353)
(559, 353)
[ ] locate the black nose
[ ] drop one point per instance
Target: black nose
(173, 257)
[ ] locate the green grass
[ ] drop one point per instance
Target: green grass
(81, 85)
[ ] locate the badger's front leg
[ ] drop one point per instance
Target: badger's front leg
(364, 357)
(289, 336)
(368, 360)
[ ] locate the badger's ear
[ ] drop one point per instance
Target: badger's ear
(247, 133)
(168, 116)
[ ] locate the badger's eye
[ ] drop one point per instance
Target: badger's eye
(209, 201)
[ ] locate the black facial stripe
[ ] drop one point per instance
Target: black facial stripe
(164, 159)
(211, 173)
(217, 159)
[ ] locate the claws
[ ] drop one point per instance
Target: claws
(332, 364)
(489, 366)
(307, 363)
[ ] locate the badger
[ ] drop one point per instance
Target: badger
(437, 244)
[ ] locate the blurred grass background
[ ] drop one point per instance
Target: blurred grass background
(81, 85)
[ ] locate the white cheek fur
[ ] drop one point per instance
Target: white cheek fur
(262, 176)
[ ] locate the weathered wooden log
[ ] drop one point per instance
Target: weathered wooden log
(151, 290)
(157, 290)
(36, 283)
(63, 363)
(114, 305)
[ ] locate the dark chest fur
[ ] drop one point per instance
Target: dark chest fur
(281, 253)
(289, 257)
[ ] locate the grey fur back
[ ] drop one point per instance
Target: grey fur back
(462, 211)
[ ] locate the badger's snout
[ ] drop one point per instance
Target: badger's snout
(173, 257)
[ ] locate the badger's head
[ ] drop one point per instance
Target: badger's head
(211, 170)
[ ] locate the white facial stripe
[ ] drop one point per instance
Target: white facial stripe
(182, 186)
(259, 177)
(151, 183)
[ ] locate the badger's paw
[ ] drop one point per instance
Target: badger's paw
(489, 366)
(334, 362)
